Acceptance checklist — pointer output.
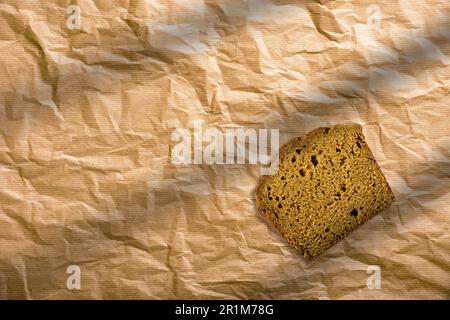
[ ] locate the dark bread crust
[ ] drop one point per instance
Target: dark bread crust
(327, 185)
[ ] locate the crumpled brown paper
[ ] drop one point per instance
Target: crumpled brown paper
(87, 115)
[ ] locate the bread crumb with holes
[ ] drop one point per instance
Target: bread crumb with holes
(327, 185)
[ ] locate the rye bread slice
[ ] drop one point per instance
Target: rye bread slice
(327, 185)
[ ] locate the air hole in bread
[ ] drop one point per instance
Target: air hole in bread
(354, 213)
(314, 160)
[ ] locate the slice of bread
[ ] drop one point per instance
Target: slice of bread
(328, 183)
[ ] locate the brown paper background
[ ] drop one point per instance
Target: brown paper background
(86, 117)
